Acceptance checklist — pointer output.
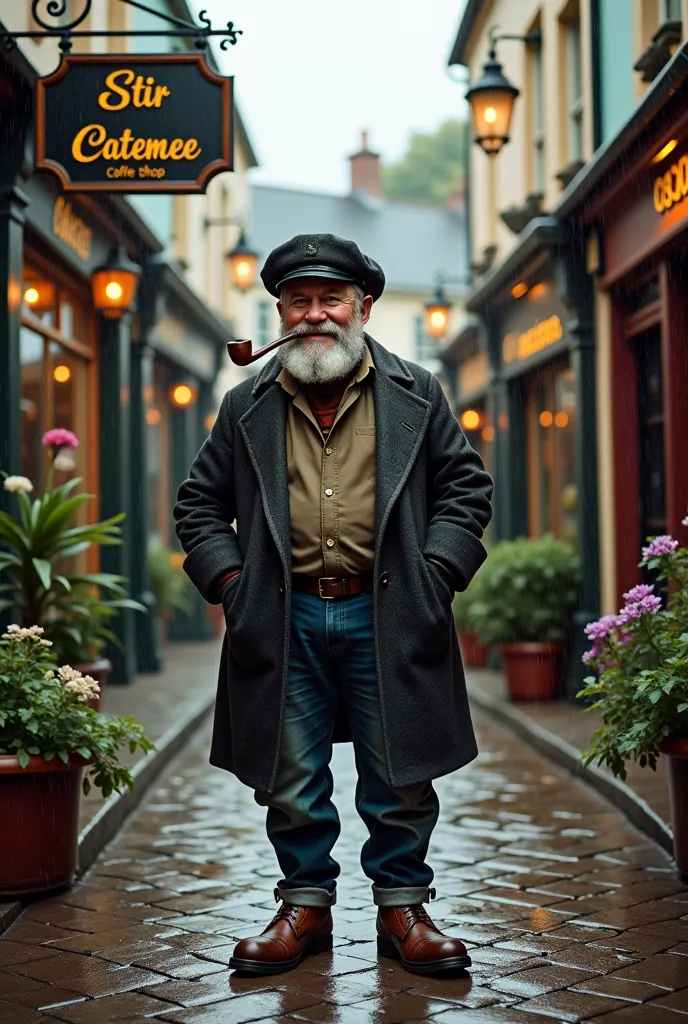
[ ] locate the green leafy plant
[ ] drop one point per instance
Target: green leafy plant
(641, 657)
(464, 601)
(43, 713)
(525, 591)
(35, 548)
(168, 581)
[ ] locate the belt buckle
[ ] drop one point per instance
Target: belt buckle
(321, 580)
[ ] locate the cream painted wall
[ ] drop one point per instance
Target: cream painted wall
(505, 180)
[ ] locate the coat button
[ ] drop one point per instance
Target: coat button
(329, 492)
(281, 589)
(384, 579)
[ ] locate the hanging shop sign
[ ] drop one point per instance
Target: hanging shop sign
(155, 123)
(671, 187)
(517, 347)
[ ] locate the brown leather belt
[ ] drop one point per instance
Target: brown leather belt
(330, 587)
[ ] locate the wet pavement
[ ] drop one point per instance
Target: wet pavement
(568, 912)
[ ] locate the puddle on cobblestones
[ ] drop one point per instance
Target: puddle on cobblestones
(568, 911)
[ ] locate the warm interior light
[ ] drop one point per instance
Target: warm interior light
(438, 318)
(31, 296)
(39, 296)
(153, 417)
(243, 268)
(546, 419)
(561, 419)
(488, 433)
(209, 421)
(664, 151)
(538, 290)
(114, 290)
(470, 419)
(519, 289)
(490, 115)
(62, 374)
(182, 394)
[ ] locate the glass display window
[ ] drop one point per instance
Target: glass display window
(550, 460)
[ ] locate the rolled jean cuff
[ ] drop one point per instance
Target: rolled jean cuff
(408, 897)
(311, 896)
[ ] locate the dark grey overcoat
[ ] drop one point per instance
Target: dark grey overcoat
(433, 498)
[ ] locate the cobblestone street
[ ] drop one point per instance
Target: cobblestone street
(569, 914)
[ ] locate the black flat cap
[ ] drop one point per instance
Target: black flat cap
(322, 256)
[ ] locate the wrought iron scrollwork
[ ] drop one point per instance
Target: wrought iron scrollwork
(50, 16)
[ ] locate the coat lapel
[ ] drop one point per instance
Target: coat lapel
(401, 418)
(263, 428)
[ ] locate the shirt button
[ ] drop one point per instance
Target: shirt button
(330, 542)
(329, 492)
(328, 451)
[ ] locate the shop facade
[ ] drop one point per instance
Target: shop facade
(65, 364)
(631, 209)
(538, 401)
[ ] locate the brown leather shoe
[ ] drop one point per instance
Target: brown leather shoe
(409, 935)
(293, 933)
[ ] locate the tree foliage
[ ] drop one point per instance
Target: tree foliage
(432, 166)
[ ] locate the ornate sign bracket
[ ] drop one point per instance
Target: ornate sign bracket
(54, 25)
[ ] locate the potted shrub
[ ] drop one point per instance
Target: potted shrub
(37, 546)
(526, 593)
(168, 582)
(52, 745)
(641, 687)
(473, 653)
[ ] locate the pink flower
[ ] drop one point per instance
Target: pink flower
(602, 628)
(684, 522)
(664, 545)
(639, 592)
(58, 437)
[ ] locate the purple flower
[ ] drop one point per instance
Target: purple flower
(648, 605)
(639, 592)
(602, 628)
(664, 545)
(58, 437)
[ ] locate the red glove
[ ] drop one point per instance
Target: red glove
(224, 580)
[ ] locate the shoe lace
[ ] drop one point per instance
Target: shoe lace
(418, 915)
(287, 912)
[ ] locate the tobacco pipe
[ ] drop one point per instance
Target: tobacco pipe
(240, 352)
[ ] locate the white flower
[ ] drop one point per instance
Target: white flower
(49, 674)
(84, 687)
(21, 633)
(685, 521)
(18, 483)
(64, 460)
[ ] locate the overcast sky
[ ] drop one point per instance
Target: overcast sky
(310, 74)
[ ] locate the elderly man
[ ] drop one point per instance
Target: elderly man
(359, 509)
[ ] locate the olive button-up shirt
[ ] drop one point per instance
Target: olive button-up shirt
(332, 480)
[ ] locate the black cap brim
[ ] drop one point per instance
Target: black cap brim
(316, 271)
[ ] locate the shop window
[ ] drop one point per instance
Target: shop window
(550, 423)
(56, 366)
(651, 429)
(157, 458)
(574, 88)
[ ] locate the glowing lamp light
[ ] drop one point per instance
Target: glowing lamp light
(114, 284)
(470, 419)
(664, 151)
(546, 418)
(242, 264)
(62, 374)
(437, 310)
(39, 296)
(492, 102)
(561, 420)
(488, 433)
(519, 289)
(209, 421)
(153, 417)
(183, 395)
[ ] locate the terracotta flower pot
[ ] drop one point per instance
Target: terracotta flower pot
(39, 811)
(676, 750)
(532, 670)
(98, 670)
(473, 653)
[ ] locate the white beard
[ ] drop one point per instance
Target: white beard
(312, 362)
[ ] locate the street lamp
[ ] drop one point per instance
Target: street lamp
(242, 264)
(438, 307)
(114, 284)
(184, 394)
(492, 98)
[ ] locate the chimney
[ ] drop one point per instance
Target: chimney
(365, 169)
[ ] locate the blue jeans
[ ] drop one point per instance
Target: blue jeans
(332, 662)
